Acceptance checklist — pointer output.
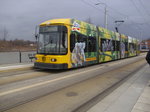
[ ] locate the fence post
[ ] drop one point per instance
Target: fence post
(20, 56)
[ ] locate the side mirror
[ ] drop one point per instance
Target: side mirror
(36, 36)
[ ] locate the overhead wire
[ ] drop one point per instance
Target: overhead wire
(136, 25)
(139, 11)
(144, 8)
(96, 8)
(89, 4)
(124, 15)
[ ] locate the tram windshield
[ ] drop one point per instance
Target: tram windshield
(52, 40)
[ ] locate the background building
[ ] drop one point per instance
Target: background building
(145, 44)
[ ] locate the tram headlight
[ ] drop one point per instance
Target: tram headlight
(53, 60)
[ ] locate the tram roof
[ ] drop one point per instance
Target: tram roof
(65, 21)
(56, 21)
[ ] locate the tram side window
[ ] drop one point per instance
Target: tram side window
(131, 47)
(72, 42)
(91, 44)
(103, 45)
(83, 39)
(63, 42)
(126, 46)
(107, 45)
(117, 45)
(138, 47)
(78, 38)
(114, 44)
(134, 46)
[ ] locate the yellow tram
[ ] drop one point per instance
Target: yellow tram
(70, 43)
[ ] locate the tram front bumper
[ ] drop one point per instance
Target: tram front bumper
(50, 66)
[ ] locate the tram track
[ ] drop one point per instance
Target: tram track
(31, 73)
(14, 75)
(11, 77)
(100, 96)
(10, 73)
(18, 76)
(34, 84)
(80, 93)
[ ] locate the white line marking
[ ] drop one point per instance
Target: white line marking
(50, 81)
(46, 82)
(16, 66)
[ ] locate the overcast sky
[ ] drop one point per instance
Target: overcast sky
(19, 17)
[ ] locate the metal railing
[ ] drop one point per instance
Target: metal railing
(17, 57)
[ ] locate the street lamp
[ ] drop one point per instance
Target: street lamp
(118, 23)
(105, 19)
(139, 27)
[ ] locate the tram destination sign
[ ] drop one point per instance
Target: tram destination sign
(45, 29)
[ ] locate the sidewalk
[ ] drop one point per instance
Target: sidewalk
(7, 67)
(143, 103)
(132, 96)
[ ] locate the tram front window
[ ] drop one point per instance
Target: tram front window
(52, 40)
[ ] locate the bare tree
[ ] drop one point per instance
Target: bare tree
(4, 34)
